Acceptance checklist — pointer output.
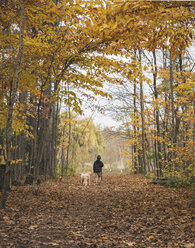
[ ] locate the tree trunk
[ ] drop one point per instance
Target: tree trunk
(69, 142)
(21, 140)
(134, 126)
(12, 101)
(173, 137)
(194, 134)
(142, 116)
(165, 121)
(156, 112)
(62, 153)
(54, 133)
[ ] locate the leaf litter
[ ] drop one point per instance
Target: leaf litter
(124, 211)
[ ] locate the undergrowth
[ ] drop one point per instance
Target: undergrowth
(180, 183)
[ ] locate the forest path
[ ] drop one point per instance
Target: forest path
(124, 211)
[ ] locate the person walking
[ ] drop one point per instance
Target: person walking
(97, 169)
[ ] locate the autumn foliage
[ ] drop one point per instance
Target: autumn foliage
(56, 53)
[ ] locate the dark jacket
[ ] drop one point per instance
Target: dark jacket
(97, 166)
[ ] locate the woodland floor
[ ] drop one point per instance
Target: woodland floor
(124, 211)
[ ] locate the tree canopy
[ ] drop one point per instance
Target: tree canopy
(61, 53)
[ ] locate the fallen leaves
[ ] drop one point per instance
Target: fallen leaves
(53, 244)
(189, 245)
(124, 211)
(33, 227)
(130, 244)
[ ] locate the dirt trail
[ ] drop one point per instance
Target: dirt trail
(125, 211)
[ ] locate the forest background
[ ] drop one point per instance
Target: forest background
(64, 53)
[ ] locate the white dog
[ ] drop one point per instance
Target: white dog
(85, 178)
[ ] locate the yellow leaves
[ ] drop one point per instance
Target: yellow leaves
(185, 88)
(19, 123)
(63, 141)
(148, 81)
(105, 26)
(3, 118)
(2, 160)
(16, 161)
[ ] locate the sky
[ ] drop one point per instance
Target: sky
(104, 120)
(101, 120)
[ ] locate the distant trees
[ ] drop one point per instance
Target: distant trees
(165, 97)
(86, 143)
(113, 153)
(159, 72)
